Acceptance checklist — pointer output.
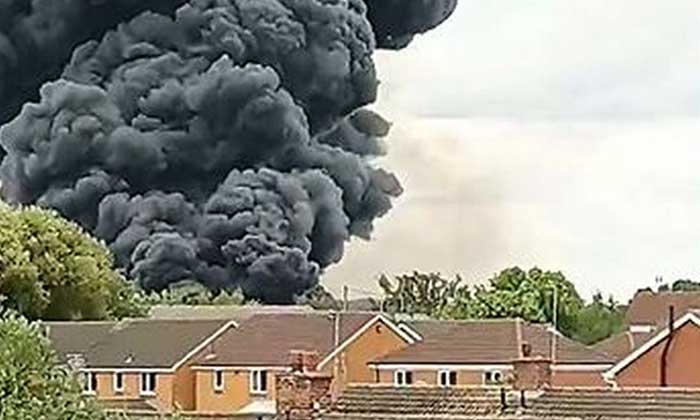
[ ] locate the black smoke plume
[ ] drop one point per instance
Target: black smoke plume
(222, 141)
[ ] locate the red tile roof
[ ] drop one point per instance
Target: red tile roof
(608, 404)
(649, 308)
(267, 339)
(488, 341)
(621, 345)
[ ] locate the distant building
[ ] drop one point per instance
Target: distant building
(483, 353)
(649, 353)
(218, 366)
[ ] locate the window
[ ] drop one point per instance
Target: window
(493, 377)
(218, 380)
(118, 382)
(89, 383)
(447, 378)
(258, 381)
(148, 383)
(403, 378)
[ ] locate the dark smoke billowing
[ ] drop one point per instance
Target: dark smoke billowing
(224, 142)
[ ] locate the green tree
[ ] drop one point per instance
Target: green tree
(51, 269)
(531, 295)
(32, 385)
(421, 293)
(320, 299)
(685, 285)
(188, 292)
(598, 320)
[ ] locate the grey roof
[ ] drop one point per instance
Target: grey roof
(150, 343)
(136, 343)
(232, 312)
(69, 338)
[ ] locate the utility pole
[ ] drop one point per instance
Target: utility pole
(555, 318)
(336, 362)
(346, 302)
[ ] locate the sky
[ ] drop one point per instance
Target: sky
(564, 135)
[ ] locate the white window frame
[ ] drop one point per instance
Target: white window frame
(217, 374)
(146, 383)
(88, 388)
(492, 381)
(256, 382)
(444, 376)
(118, 389)
(401, 377)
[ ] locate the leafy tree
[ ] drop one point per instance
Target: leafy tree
(193, 293)
(51, 269)
(528, 295)
(685, 285)
(421, 293)
(32, 385)
(320, 299)
(598, 320)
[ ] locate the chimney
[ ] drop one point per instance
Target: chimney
(531, 372)
(303, 392)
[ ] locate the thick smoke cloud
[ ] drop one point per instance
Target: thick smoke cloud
(37, 37)
(225, 142)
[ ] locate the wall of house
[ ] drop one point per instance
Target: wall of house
(132, 388)
(683, 362)
(184, 389)
(375, 342)
(593, 379)
(235, 395)
(430, 377)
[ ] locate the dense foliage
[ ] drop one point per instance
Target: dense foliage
(194, 293)
(51, 269)
(533, 295)
(422, 293)
(32, 385)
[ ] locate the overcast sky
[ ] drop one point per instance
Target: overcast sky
(563, 134)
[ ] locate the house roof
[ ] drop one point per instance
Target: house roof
(692, 317)
(68, 338)
(608, 404)
(229, 312)
(488, 342)
(622, 344)
(267, 339)
(425, 403)
(155, 344)
(650, 308)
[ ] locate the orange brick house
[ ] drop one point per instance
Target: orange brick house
(210, 366)
(483, 353)
(670, 358)
(236, 373)
(139, 362)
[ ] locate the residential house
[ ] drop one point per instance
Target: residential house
(651, 354)
(647, 314)
(670, 358)
(236, 373)
(484, 352)
(144, 362)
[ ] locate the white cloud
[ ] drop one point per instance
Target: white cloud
(612, 204)
(552, 58)
(575, 145)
